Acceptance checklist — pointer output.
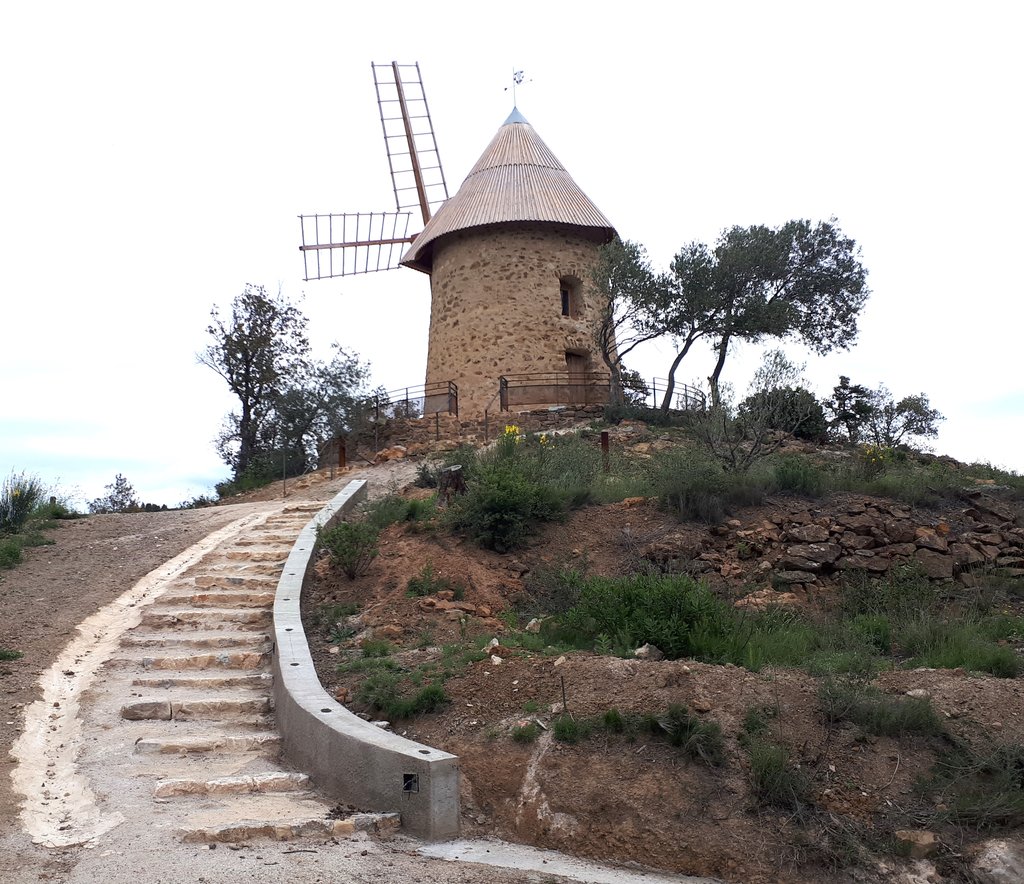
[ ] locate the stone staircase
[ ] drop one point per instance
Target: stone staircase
(196, 678)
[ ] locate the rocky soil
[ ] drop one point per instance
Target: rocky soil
(635, 799)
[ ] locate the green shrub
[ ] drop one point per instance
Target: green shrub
(351, 546)
(19, 496)
(526, 733)
(567, 729)
(374, 647)
(878, 713)
(382, 691)
(10, 551)
(691, 483)
(385, 511)
(426, 476)
(775, 781)
(428, 582)
(699, 740)
(755, 721)
(614, 721)
(549, 590)
(503, 507)
(970, 644)
(7, 654)
(904, 593)
(800, 475)
(675, 613)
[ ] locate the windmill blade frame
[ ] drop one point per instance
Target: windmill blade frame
(350, 243)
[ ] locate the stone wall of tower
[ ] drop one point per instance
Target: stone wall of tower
(496, 307)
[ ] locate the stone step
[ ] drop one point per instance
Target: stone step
(222, 659)
(203, 708)
(270, 555)
(260, 784)
(220, 599)
(260, 681)
(289, 829)
(233, 581)
(217, 743)
(278, 540)
(156, 617)
(244, 566)
(202, 640)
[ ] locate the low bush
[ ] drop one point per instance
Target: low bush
(774, 779)
(503, 506)
(382, 691)
(351, 546)
(526, 733)
(567, 729)
(10, 551)
(972, 644)
(878, 713)
(429, 582)
(906, 592)
(983, 789)
(800, 475)
(6, 654)
(374, 647)
(675, 613)
(698, 740)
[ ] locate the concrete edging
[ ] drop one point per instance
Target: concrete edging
(350, 759)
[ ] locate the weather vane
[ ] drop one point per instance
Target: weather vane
(518, 79)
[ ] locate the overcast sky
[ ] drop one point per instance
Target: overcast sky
(155, 157)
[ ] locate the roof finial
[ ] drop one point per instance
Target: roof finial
(517, 80)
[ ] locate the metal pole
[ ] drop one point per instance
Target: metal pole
(284, 472)
(605, 455)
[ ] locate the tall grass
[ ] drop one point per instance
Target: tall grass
(20, 494)
(878, 713)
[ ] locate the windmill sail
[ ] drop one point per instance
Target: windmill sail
(365, 242)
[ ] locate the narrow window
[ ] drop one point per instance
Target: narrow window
(569, 287)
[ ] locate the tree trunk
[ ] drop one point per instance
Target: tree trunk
(670, 388)
(723, 347)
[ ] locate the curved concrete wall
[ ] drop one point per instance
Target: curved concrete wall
(349, 759)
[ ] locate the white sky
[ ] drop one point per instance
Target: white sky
(155, 156)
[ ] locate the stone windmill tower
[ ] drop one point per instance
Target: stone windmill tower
(509, 258)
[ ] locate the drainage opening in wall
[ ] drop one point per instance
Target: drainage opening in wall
(410, 782)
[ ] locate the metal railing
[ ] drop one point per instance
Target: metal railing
(441, 397)
(553, 388)
(684, 397)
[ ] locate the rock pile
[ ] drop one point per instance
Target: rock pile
(802, 548)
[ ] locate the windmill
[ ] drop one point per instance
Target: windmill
(512, 323)
(365, 242)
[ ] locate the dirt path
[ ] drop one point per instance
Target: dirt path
(92, 563)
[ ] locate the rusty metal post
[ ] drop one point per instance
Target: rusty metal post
(342, 453)
(605, 454)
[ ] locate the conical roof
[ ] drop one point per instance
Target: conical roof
(517, 178)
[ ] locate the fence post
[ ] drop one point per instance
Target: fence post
(605, 458)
